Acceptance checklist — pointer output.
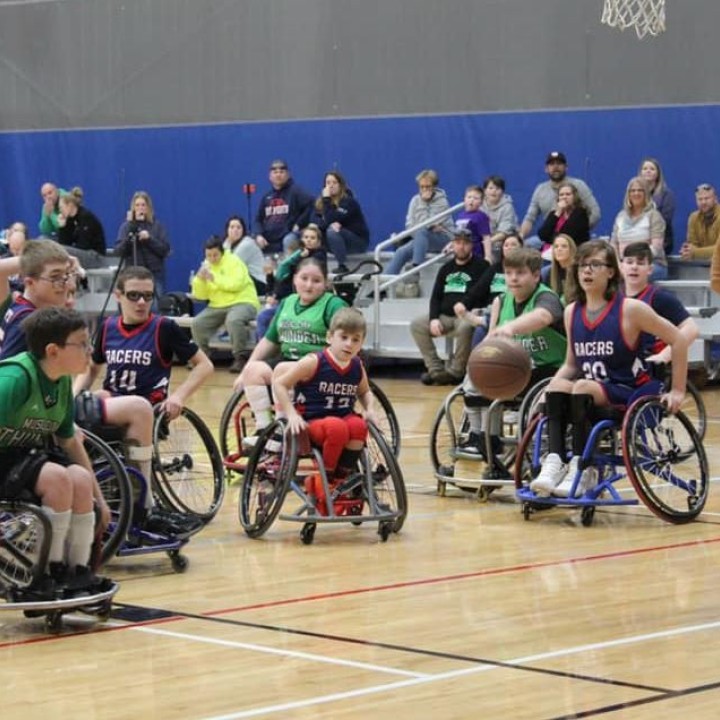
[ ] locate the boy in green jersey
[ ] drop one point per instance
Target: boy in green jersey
(41, 456)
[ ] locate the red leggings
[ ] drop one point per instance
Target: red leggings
(333, 434)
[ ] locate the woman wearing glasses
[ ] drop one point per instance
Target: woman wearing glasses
(603, 366)
(639, 221)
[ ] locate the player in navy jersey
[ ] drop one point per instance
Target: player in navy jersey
(604, 365)
(326, 385)
(636, 267)
(138, 347)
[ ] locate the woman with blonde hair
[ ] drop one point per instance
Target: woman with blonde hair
(142, 240)
(639, 221)
(554, 275)
(80, 230)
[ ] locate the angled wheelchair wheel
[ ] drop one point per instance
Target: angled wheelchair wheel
(693, 408)
(531, 452)
(25, 535)
(449, 429)
(115, 486)
(531, 405)
(270, 467)
(665, 461)
(236, 422)
(188, 473)
(388, 485)
(387, 419)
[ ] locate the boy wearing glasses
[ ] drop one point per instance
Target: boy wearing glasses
(138, 348)
(41, 456)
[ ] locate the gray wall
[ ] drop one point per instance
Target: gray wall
(111, 63)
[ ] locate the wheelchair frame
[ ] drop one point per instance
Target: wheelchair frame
(269, 476)
(648, 447)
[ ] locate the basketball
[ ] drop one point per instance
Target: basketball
(499, 368)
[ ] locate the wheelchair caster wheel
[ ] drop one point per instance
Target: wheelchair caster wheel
(587, 515)
(307, 534)
(526, 511)
(179, 562)
(53, 622)
(484, 492)
(384, 530)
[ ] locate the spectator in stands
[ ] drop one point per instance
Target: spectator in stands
(715, 269)
(280, 210)
(431, 200)
(703, 225)
(476, 221)
(79, 230)
(339, 215)
(568, 217)
(142, 240)
(241, 244)
(224, 281)
(461, 285)
(498, 206)
(50, 212)
(640, 221)
(544, 196)
(663, 197)
(563, 256)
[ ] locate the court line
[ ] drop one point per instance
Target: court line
(452, 674)
(275, 651)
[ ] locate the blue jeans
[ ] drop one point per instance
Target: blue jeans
(423, 242)
(660, 272)
(341, 242)
(263, 321)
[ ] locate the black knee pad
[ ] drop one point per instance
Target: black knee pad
(557, 405)
(89, 411)
(580, 408)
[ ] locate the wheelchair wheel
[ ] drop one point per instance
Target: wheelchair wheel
(387, 419)
(266, 479)
(665, 461)
(532, 449)
(236, 422)
(530, 405)
(388, 486)
(693, 408)
(25, 535)
(115, 486)
(188, 473)
(449, 429)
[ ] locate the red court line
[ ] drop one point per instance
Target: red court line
(382, 588)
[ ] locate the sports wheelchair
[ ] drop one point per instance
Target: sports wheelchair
(237, 423)
(374, 493)
(450, 433)
(660, 454)
(187, 484)
(25, 537)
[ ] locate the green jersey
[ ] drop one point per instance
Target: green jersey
(301, 329)
(33, 407)
(546, 347)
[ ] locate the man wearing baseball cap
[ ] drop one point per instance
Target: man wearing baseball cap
(544, 196)
(461, 284)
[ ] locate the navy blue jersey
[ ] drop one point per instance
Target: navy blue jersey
(135, 365)
(332, 390)
(666, 305)
(12, 336)
(601, 351)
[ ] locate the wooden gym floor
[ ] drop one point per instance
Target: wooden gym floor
(469, 612)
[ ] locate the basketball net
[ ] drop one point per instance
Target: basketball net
(646, 16)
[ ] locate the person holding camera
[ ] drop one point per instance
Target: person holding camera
(142, 240)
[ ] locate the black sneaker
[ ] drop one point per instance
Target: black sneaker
(497, 471)
(446, 378)
(473, 445)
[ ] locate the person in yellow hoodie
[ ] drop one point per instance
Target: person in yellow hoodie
(224, 281)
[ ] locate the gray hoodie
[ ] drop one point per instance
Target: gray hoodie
(502, 217)
(419, 210)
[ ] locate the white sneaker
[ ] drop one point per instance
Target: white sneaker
(551, 475)
(272, 445)
(563, 489)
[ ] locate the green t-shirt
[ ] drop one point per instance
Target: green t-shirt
(301, 329)
(33, 407)
(546, 347)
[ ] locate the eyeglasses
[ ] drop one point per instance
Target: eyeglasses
(593, 265)
(57, 282)
(135, 295)
(87, 346)
(704, 187)
(278, 167)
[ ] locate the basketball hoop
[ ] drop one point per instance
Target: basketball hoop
(646, 16)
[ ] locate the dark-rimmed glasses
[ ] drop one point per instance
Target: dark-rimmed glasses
(136, 295)
(59, 281)
(593, 265)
